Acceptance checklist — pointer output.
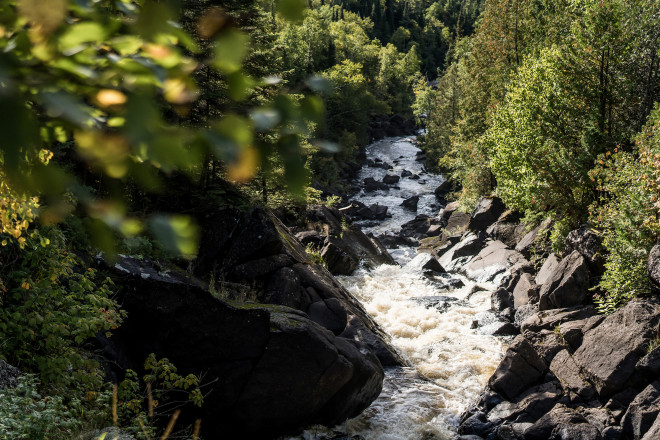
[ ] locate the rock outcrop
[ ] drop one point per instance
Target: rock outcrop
(258, 363)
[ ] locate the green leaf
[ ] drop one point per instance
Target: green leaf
(292, 10)
(176, 233)
(80, 33)
(265, 119)
(230, 49)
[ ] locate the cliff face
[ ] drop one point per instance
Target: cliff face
(278, 342)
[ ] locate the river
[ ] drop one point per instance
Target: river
(451, 361)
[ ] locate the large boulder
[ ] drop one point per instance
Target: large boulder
(300, 282)
(520, 368)
(493, 262)
(525, 290)
(550, 319)
(568, 285)
(486, 213)
(590, 245)
(547, 269)
(411, 203)
(370, 184)
(654, 431)
(562, 423)
(269, 369)
(567, 371)
(507, 229)
(391, 179)
(653, 266)
(610, 351)
(642, 411)
(423, 262)
(338, 261)
(536, 244)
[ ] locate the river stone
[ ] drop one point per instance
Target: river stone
(501, 299)
(411, 203)
(423, 262)
(642, 412)
(406, 173)
(532, 404)
(520, 368)
(486, 213)
(568, 285)
(566, 370)
(653, 265)
(391, 179)
(548, 267)
(370, 184)
(610, 351)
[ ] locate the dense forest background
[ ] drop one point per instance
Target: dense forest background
(120, 119)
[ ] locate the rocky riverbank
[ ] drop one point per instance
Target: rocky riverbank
(569, 373)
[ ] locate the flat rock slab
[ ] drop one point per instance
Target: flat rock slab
(520, 368)
(642, 412)
(610, 351)
(567, 285)
(491, 261)
(567, 371)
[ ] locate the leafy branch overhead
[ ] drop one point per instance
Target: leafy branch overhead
(110, 82)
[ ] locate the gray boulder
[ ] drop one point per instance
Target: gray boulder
(508, 229)
(568, 285)
(391, 179)
(520, 368)
(567, 371)
(654, 431)
(548, 267)
(590, 245)
(422, 263)
(650, 364)
(501, 299)
(411, 203)
(562, 423)
(486, 213)
(610, 351)
(338, 261)
(642, 412)
(535, 244)
(525, 290)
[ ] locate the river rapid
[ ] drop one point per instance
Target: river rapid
(450, 361)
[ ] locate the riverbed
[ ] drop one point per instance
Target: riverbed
(450, 360)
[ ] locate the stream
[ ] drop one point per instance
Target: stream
(451, 362)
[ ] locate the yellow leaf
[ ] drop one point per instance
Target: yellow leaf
(246, 166)
(110, 98)
(44, 15)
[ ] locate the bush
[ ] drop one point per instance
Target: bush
(629, 214)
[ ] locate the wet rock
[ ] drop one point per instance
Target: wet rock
(424, 262)
(370, 184)
(414, 177)
(477, 424)
(568, 285)
(531, 404)
(411, 203)
(567, 371)
(642, 412)
(520, 368)
(338, 261)
(406, 173)
(486, 213)
(440, 302)
(390, 179)
(523, 313)
(393, 241)
(418, 226)
(610, 351)
(443, 189)
(525, 290)
(536, 244)
(8, 375)
(547, 269)
(501, 299)
(653, 266)
(589, 244)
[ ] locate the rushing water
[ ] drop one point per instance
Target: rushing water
(451, 361)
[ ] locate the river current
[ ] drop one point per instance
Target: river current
(451, 361)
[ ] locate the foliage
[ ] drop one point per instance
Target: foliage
(629, 215)
(26, 414)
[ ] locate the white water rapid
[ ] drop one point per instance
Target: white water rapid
(451, 362)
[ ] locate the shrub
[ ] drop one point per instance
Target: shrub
(629, 214)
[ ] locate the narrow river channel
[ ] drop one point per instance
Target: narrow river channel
(430, 325)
